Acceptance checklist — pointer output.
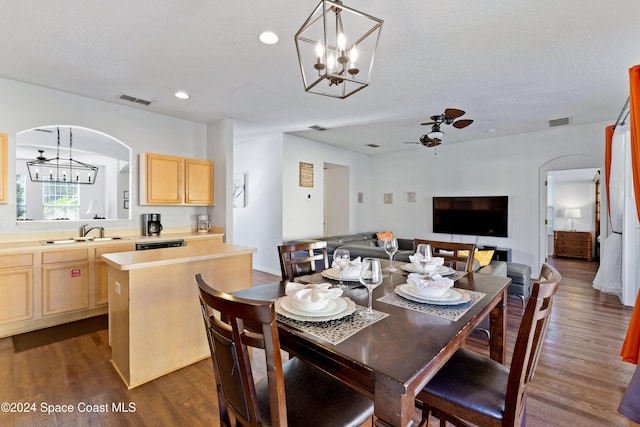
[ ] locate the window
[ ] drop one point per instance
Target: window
(60, 200)
(21, 197)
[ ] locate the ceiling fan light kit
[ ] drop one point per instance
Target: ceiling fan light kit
(336, 48)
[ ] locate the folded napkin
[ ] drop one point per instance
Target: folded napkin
(312, 292)
(428, 284)
(435, 261)
(352, 271)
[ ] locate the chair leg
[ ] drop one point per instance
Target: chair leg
(426, 414)
(522, 299)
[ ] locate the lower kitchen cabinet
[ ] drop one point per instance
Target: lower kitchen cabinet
(65, 281)
(101, 272)
(16, 287)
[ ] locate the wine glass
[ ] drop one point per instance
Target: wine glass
(341, 258)
(370, 277)
(424, 250)
(391, 247)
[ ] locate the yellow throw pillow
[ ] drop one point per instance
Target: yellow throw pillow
(483, 257)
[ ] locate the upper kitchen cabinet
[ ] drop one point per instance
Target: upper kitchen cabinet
(4, 168)
(172, 180)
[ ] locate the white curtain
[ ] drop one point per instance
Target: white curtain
(609, 276)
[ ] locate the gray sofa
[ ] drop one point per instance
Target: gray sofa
(367, 245)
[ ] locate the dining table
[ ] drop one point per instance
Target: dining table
(392, 357)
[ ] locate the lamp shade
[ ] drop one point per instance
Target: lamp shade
(572, 213)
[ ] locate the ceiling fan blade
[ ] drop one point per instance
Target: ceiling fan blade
(434, 143)
(454, 113)
(462, 123)
(428, 123)
(412, 142)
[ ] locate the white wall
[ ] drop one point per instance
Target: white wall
(569, 195)
(507, 165)
(24, 106)
(259, 224)
(303, 207)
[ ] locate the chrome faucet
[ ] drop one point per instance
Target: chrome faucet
(84, 230)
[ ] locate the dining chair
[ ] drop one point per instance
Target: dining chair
(292, 393)
(450, 251)
(299, 259)
(482, 391)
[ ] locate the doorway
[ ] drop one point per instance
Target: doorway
(336, 199)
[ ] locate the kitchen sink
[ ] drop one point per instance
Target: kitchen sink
(80, 240)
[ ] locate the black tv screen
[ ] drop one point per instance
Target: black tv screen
(476, 216)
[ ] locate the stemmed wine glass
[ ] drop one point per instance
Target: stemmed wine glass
(370, 277)
(391, 247)
(424, 250)
(341, 258)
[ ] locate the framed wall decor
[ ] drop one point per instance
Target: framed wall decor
(410, 197)
(125, 194)
(306, 174)
(388, 198)
(126, 204)
(240, 190)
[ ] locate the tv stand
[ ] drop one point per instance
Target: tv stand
(499, 254)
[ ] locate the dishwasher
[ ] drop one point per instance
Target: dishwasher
(143, 246)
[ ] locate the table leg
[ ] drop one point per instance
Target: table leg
(392, 408)
(497, 345)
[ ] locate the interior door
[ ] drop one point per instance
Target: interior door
(336, 199)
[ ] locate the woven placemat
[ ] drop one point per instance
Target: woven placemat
(450, 312)
(335, 331)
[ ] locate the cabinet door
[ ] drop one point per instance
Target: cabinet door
(199, 182)
(204, 241)
(161, 179)
(65, 287)
(101, 273)
(4, 168)
(16, 294)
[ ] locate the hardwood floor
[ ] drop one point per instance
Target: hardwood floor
(579, 381)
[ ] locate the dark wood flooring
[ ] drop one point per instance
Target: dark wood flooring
(579, 381)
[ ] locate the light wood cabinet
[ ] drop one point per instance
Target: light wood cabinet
(204, 240)
(16, 287)
(65, 281)
(172, 180)
(4, 168)
(572, 244)
(101, 272)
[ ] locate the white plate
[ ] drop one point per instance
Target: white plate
(464, 298)
(348, 307)
(450, 295)
(442, 270)
(334, 274)
(334, 307)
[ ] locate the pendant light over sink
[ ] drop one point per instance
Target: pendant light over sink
(63, 170)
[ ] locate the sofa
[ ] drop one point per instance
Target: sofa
(367, 245)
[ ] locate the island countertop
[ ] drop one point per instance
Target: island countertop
(167, 256)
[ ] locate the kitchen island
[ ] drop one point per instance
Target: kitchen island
(155, 321)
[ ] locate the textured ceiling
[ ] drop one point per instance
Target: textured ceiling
(513, 65)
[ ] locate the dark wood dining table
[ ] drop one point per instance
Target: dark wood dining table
(394, 358)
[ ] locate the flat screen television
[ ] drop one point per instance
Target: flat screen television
(476, 216)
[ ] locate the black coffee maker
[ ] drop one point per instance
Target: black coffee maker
(151, 225)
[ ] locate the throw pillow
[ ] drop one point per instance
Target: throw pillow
(384, 235)
(483, 257)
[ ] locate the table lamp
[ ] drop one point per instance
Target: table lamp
(573, 214)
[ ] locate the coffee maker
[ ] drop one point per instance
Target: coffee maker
(151, 225)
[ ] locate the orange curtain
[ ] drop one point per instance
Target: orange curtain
(631, 346)
(607, 161)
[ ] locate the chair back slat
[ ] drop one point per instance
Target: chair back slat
(301, 258)
(458, 256)
(229, 341)
(528, 344)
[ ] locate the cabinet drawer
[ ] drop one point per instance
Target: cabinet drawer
(16, 260)
(65, 256)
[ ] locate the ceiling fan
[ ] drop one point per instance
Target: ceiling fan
(426, 141)
(448, 118)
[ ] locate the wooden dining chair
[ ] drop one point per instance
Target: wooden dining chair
(451, 252)
(301, 258)
(482, 391)
(292, 393)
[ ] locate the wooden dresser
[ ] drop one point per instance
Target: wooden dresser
(572, 244)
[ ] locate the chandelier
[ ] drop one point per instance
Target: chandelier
(61, 170)
(336, 47)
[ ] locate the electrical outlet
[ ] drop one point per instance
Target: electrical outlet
(118, 290)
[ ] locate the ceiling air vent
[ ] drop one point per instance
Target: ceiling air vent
(134, 99)
(559, 122)
(373, 145)
(318, 128)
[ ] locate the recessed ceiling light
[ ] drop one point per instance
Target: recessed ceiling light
(182, 95)
(268, 37)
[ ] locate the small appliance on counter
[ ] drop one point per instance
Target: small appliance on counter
(151, 225)
(203, 224)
